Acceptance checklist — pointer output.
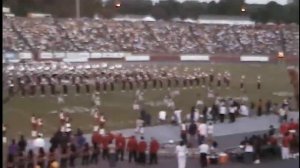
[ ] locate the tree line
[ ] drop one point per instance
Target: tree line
(165, 9)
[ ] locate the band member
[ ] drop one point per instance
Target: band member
(4, 129)
(87, 85)
(227, 79)
(169, 82)
(242, 82)
(203, 76)
(77, 85)
(131, 83)
(197, 79)
(40, 124)
(102, 121)
(34, 126)
(112, 84)
(258, 82)
(42, 86)
(154, 82)
(145, 81)
(52, 83)
(161, 84)
(120, 143)
(123, 84)
(32, 87)
(184, 83)
(11, 87)
(104, 84)
(97, 83)
(96, 117)
(64, 86)
(219, 80)
(176, 81)
(191, 80)
(62, 117)
(154, 147)
(22, 86)
(211, 77)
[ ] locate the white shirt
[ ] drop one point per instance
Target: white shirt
(162, 115)
(202, 128)
(177, 112)
(39, 143)
(183, 127)
(249, 148)
(231, 109)
(204, 148)
(136, 107)
(244, 110)
(199, 102)
(181, 151)
(281, 112)
(222, 110)
(210, 129)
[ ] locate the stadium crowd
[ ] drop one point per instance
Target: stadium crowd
(48, 34)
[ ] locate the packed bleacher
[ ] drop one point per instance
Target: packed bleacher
(49, 34)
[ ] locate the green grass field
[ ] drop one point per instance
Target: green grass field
(117, 105)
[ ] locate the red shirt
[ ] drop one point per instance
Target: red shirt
(120, 142)
(284, 128)
(110, 137)
(293, 126)
(286, 141)
(142, 146)
(104, 142)
(96, 138)
(154, 146)
(273, 140)
(132, 144)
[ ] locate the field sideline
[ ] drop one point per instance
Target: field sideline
(117, 105)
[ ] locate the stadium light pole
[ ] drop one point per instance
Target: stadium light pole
(77, 9)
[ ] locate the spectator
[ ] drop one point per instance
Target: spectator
(13, 148)
(21, 160)
(41, 157)
(85, 155)
(112, 154)
(181, 152)
(22, 143)
(210, 130)
(285, 148)
(120, 143)
(10, 161)
(204, 151)
(95, 153)
(30, 159)
(64, 158)
(39, 142)
(132, 147)
(249, 152)
(142, 146)
(271, 130)
(192, 133)
(294, 146)
(51, 156)
(73, 155)
(105, 150)
(154, 147)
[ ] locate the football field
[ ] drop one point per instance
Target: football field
(117, 105)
